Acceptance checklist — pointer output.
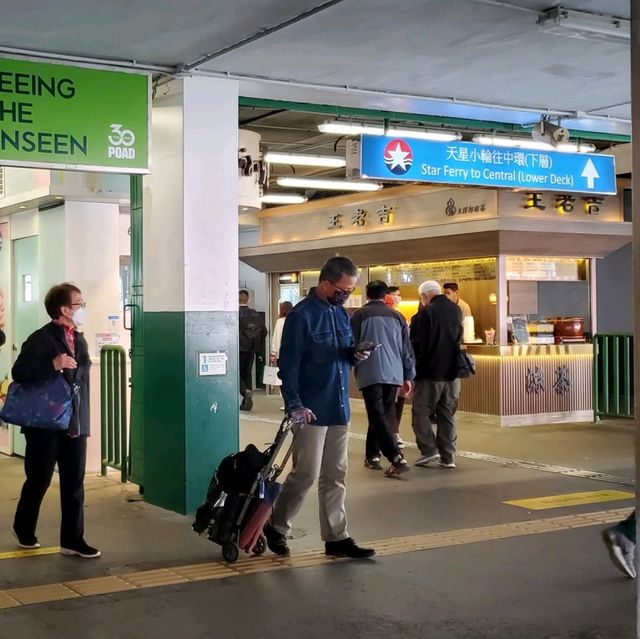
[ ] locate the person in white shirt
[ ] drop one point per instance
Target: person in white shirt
(276, 338)
(450, 289)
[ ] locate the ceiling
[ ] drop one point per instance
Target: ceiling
(480, 59)
(467, 63)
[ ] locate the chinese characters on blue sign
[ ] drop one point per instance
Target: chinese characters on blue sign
(476, 164)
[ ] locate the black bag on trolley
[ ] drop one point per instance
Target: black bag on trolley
(227, 491)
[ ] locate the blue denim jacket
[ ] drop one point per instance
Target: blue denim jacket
(316, 354)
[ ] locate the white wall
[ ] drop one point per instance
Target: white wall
(51, 254)
(92, 255)
(125, 237)
(163, 227)
(249, 278)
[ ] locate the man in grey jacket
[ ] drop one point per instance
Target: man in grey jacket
(379, 377)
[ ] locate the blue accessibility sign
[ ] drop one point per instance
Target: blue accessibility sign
(386, 158)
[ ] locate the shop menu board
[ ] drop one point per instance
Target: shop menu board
(543, 269)
(447, 271)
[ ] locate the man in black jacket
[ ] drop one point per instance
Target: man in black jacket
(436, 333)
(252, 333)
(57, 349)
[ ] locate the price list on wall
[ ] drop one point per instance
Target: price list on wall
(450, 270)
(541, 270)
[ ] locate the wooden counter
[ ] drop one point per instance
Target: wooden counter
(528, 384)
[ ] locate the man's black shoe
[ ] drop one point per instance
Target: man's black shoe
(276, 542)
(80, 549)
(347, 548)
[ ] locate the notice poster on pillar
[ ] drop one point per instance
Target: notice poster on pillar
(467, 163)
(5, 351)
(65, 117)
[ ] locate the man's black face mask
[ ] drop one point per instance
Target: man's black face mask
(338, 297)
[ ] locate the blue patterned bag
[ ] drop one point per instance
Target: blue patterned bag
(47, 404)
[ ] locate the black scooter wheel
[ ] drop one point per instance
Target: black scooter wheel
(230, 552)
(261, 546)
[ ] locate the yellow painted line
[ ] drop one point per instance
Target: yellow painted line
(17, 554)
(571, 499)
(15, 597)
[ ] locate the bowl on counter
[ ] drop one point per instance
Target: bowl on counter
(567, 328)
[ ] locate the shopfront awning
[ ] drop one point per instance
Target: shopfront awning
(483, 238)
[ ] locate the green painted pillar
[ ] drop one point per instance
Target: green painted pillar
(190, 232)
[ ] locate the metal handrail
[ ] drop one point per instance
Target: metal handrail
(613, 375)
(113, 411)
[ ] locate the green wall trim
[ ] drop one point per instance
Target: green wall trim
(164, 410)
(190, 422)
(211, 406)
(460, 123)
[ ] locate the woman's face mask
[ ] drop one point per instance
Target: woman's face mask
(79, 316)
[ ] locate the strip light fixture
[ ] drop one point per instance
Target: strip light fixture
(524, 143)
(340, 127)
(283, 198)
(328, 185)
(584, 25)
(329, 161)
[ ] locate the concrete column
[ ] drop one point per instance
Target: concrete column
(635, 117)
(190, 233)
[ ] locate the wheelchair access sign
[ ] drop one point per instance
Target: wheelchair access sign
(467, 163)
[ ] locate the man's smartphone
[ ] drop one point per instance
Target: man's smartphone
(364, 347)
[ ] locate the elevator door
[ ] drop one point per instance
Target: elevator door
(26, 304)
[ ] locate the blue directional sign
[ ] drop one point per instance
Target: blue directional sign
(386, 158)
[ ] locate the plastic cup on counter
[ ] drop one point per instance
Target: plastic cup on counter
(490, 336)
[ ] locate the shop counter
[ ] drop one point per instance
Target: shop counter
(527, 384)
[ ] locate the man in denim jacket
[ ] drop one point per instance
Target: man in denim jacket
(316, 355)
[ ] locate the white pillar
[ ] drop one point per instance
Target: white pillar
(190, 288)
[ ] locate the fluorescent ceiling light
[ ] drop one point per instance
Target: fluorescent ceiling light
(424, 134)
(283, 198)
(524, 143)
(350, 128)
(330, 161)
(328, 185)
(339, 127)
(580, 24)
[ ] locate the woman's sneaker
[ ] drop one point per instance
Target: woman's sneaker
(373, 463)
(397, 468)
(28, 543)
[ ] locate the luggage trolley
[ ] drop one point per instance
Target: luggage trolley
(240, 498)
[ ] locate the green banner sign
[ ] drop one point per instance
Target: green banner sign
(58, 116)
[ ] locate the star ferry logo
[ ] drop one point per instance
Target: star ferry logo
(398, 157)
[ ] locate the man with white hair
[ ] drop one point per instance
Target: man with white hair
(436, 333)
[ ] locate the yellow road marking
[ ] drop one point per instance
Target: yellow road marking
(15, 597)
(571, 499)
(16, 554)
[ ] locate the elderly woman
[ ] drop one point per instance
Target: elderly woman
(57, 349)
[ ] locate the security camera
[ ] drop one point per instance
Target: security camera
(549, 133)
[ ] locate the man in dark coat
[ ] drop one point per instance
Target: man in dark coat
(57, 349)
(252, 333)
(436, 333)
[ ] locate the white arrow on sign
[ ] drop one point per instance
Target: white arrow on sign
(590, 172)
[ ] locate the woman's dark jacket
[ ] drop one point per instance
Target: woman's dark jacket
(35, 364)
